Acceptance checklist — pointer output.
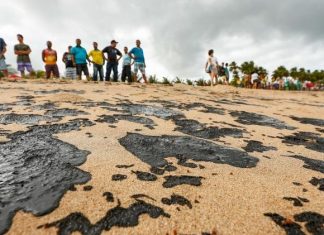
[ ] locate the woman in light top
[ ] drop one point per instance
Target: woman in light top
(211, 67)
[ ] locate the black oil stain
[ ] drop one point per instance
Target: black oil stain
(138, 196)
(109, 196)
(312, 164)
(310, 140)
(57, 91)
(25, 119)
(311, 121)
(314, 223)
(182, 161)
(116, 217)
(87, 188)
(195, 128)
(247, 118)
(257, 146)
(124, 166)
(318, 183)
(320, 130)
(145, 176)
(290, 227)
(173, 181)
(59, 113)
(5, 107)
(296, 201)
(39, 170)
(154, 150)
(45, 106)
(135, 119)
(160, 112)
(177, 200)
(118, 177)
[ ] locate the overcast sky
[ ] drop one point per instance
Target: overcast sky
(175, 34)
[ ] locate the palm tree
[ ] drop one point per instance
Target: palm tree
(294, 72)
(248, 68)
(280, 72)
(234, 68)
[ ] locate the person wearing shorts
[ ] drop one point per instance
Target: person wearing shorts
(81, 57)
(137, 54)
(50, 58)
(68, 60)
(3, 50)
(211, 67)
(22, 51)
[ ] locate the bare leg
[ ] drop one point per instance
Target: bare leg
(144, 77)
(211, 79)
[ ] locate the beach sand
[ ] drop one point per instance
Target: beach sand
(233, 196)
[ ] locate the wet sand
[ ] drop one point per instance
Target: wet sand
(131, 159)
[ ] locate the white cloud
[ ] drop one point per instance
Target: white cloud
(175, 34)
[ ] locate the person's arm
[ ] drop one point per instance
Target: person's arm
(64, 58)
(131, 54)
(55, 56)
(90, 56)
(89, 60)
(43, 56)
(23, 52)
(119, 54)
(103, 53)
(73, 60)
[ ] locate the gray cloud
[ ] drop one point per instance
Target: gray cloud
(176, 34)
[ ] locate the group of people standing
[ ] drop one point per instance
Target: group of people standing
(76, 61)
(218, 72)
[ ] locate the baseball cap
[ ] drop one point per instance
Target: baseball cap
(113, 41)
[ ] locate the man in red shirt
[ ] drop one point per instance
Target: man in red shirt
(50, 58)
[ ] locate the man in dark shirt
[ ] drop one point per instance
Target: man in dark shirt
(112, 53)
(68, 60)
(23, 60)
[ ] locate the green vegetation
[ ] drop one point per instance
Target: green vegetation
(153, 79)
(177, 80)
(166, 81)
(189, 82)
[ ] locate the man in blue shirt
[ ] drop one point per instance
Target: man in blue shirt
(3, 50)
(81, 57)
(112, 59)
(137, 55)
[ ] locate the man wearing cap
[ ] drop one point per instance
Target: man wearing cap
(112, 53)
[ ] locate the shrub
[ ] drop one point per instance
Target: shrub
(166, 81)
(40, 74)
(189, 82)
(152, 79)
(201, 82)
(177, 80)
